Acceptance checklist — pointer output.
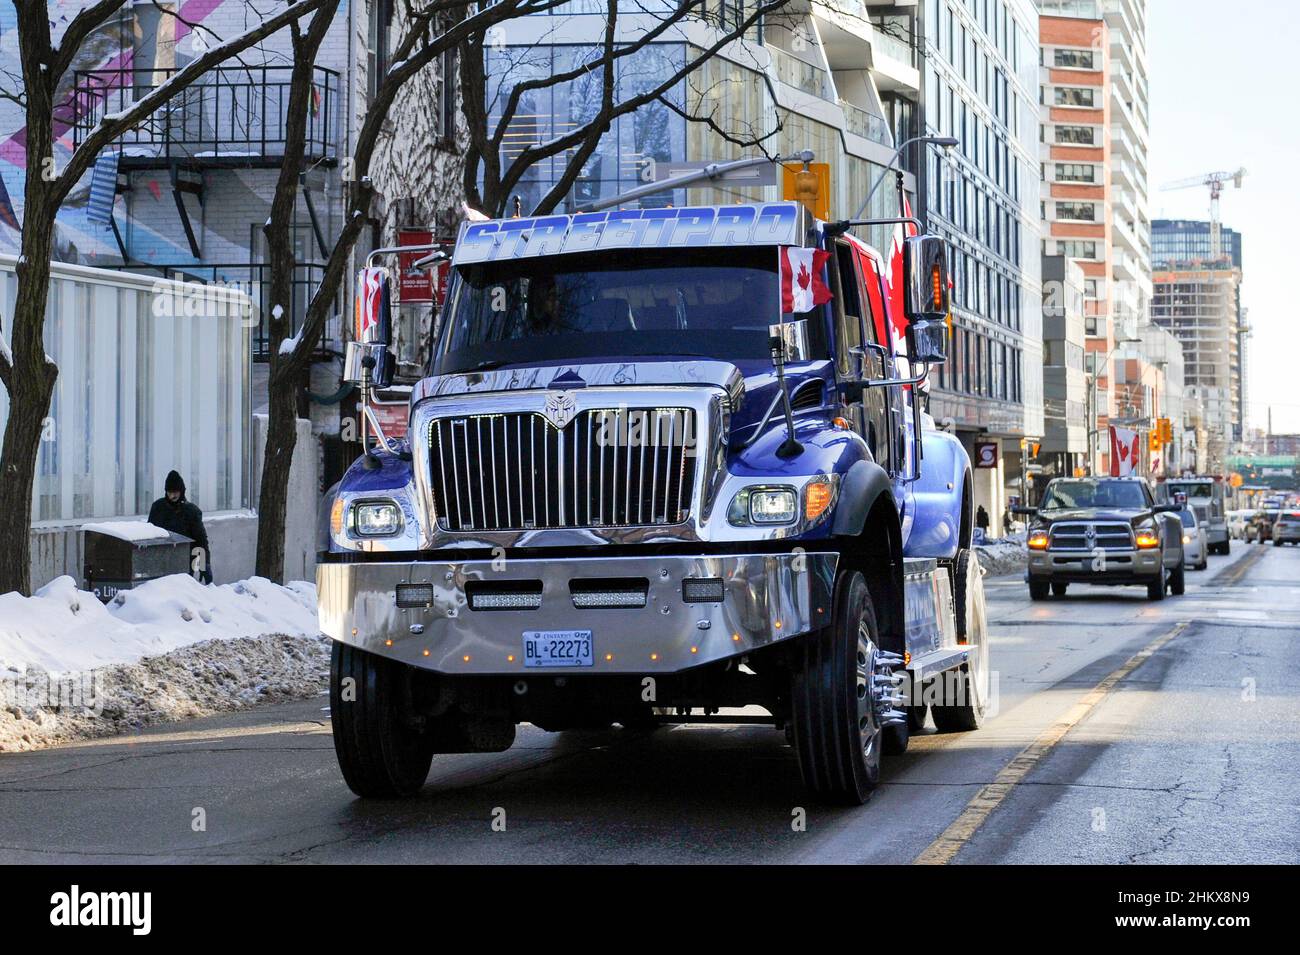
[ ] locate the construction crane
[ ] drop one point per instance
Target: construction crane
(1215, 181)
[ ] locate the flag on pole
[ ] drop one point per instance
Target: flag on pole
(802, 288)
(1123, 451)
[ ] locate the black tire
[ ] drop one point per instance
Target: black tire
(1156, 589)
(1225, 548)
(1038, 590)
(380, 750)
(1277, 542)
(916, 716)
(1178, 581)
(837, 731)
(963, 693)
(1059, 588)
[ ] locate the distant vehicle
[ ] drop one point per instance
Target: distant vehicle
(1286, 529)
(1260, 527)
(1205, 496)
(1195, 546)
(1103, 531)
(1237, 521)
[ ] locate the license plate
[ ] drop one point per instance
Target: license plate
(557, 648)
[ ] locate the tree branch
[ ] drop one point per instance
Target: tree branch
(82, 25)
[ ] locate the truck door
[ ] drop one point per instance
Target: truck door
(859, 357)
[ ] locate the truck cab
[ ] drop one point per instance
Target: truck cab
(1205, 496)
(664, 461)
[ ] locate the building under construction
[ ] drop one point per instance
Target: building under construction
(1197, 297)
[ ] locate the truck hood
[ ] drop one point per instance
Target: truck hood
(1127, 515)
(565, 377)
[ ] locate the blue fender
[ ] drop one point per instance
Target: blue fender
(937, 497)
(860, 487)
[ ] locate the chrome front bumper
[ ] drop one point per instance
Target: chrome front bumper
(767, 598)
(1113, 565)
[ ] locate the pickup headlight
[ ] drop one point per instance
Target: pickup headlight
(1038, 540)
(376, 519)
(763, 505)
(1146, 537)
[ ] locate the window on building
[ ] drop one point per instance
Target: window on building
(1076, 249)
(1080, 135)
(1076, 172)
(1074, 96)
(1074, 59)
(1078, 211)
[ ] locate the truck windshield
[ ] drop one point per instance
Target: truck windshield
(1202, 490)
(713, 303)
(1094, 493)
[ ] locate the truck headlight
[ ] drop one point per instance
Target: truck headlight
(376, 519)
(1147, 537)
(763, 505)
(1037, 540)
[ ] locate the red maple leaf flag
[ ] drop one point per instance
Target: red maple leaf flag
(1123, 451)
(802, 287)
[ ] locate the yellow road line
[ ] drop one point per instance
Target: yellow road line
(951, 840)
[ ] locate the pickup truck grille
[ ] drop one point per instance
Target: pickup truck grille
(1105, 535)
(619, 467)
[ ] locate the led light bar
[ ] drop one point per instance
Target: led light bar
(504, 594)
(497, 600)
(702, 590)
(597, 599)
(601, 593)
(414, 595)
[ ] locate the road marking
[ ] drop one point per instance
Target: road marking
(959, 832)
(1235, 571)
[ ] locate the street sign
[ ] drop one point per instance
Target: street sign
(986, 454)
(763, 174)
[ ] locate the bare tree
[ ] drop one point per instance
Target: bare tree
(491, 177)
(419, 45)
(28, 373)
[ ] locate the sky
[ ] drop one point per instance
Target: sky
(1222, 87)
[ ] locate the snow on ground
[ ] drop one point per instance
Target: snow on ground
(71, 667)
(1006, 556)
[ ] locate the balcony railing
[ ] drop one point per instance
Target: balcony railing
(800, 74)
(866, 124)
(253, 280)
(233, 115)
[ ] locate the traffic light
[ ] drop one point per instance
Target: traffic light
(1165, 430)
(1153, 440)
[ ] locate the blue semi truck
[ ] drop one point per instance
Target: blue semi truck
(664, 463)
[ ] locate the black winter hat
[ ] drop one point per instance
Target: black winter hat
(174, 482)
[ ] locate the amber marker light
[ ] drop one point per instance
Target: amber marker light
(695, 649)
(654, 656)
(816, 498)
(735, 638)
(426, 653)
(465, 658)
(510, 658)
(609, 657)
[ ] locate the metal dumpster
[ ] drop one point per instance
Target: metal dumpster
(113, 564)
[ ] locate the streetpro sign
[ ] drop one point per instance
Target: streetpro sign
(688, 227)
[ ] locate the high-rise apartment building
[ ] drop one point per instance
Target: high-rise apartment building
(979, 60)
(1198, 299)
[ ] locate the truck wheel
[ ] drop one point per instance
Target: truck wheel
(1178, 581)
(1058, 589)
(1038, 590)
(381, 751)
(1156, 589)
(837, 701)
(964, 692)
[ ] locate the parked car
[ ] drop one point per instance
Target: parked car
(1286, 529)
(1237, 521)
(1196, 548)
(1260, 528)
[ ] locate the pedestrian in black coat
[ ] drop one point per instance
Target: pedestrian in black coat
(173, 513)
(982, 519)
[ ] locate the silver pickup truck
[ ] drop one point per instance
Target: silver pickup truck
(1103, 531)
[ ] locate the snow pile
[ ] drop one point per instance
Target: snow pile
(1005, 556)
(62, 628)
(71, 667)
(128, 530)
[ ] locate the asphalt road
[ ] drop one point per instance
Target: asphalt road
(1187, 754)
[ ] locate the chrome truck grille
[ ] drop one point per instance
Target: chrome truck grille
(1087, 536)
(619, 467)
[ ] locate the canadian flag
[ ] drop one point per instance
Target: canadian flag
(802, 288)
(1123, 452)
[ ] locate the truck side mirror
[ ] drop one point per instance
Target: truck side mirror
(927, 342)
(373, 330)
(925, 277)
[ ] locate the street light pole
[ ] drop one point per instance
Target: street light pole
(947, 142)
